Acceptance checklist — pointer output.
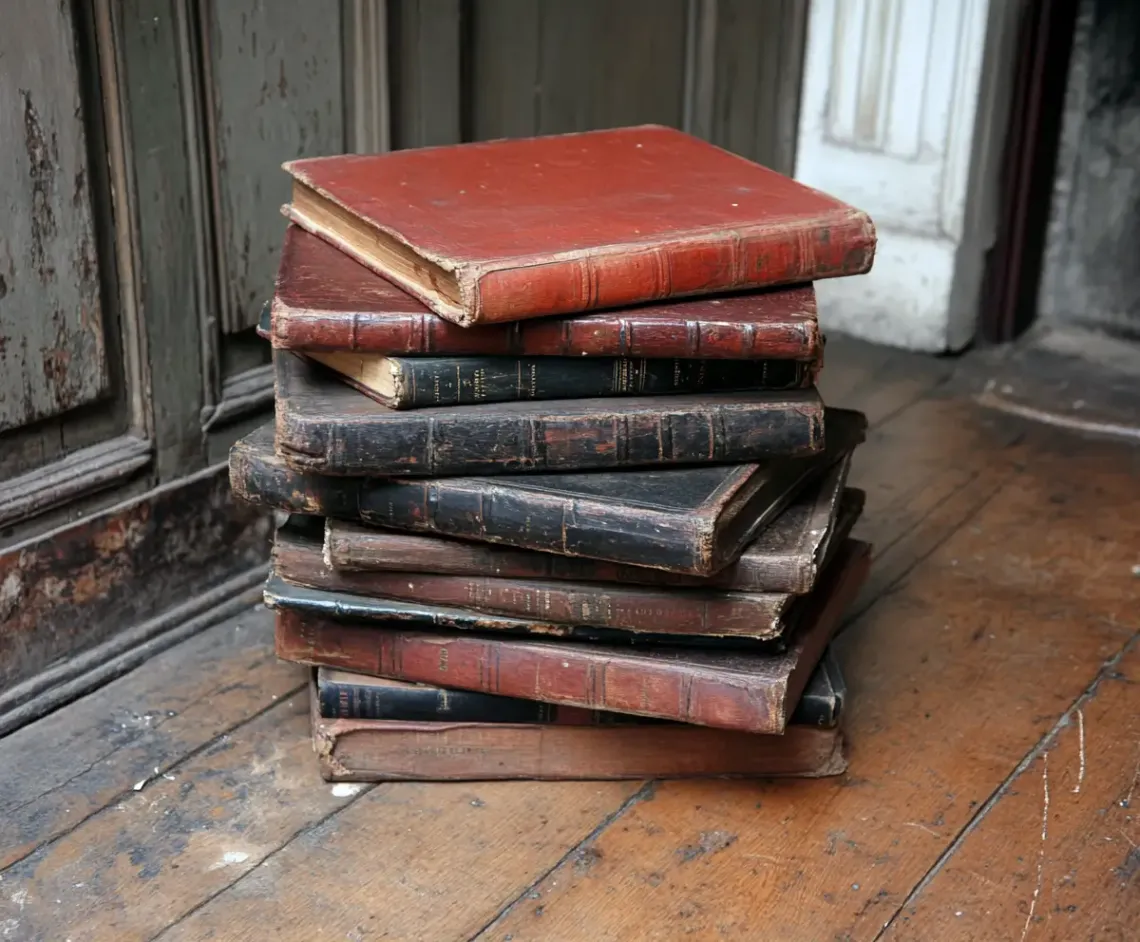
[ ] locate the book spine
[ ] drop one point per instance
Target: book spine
(608, 334)
(660, 611)
(450, 381)
(569, 439)
(370, 751)
(727, 260)
(339, 700)
(422, 703)
(353, 548)
(563, 674)
(542, 522)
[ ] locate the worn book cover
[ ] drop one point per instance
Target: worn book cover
(298, 559)
(347, 695)
(350, 750)
(784, 557)
(325, 425)
(325, 300)
(429, 382)
(748, 691)
(691, 520)
(512, 229)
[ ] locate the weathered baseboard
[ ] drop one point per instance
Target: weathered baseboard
(89, 601)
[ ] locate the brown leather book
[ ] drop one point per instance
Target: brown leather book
(325, 425)
(299, 561)
(506, 230)
(693, 520)
(325, 300)
(725, 689)
(298, 558)
(785, 557)
(401, 750)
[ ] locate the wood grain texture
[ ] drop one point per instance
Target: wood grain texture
(1003, 609)
(326, 300)
(52, 345)
(82, 759)
(275, 93)
(426, 94)
(1056, 857)
(559, 255)
(324, 425)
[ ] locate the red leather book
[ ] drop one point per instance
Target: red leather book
(511, 229)
(327, 301)
(730, 690)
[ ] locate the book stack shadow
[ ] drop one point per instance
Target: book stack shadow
(561, 498)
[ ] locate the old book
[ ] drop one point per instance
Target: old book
(298, 559)
(771, 625)
(689, 520)
(327, 301)
(325, 425)
(784, 557)
(350, 696)
(401, 750)
(511, 229)
(428, 382)
(751, 692)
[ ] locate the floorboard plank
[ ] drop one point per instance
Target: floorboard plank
(1057, 857)
(427, 862)
(56, 772)
(954, 675)
(129, 871)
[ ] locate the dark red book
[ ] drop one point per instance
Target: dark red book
(751, 692)
(327, 301)
(507, 230)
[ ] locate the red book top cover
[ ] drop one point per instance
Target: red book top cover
(326, 301)
(511, 229)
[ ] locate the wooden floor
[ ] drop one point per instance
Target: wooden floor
(993, 791)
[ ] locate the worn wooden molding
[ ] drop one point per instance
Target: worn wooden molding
(121, 173)
(71, 679)
(368, 114)
(85, 472)
(250, 391)
(89, 592)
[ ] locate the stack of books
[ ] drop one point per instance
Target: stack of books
(563, 499)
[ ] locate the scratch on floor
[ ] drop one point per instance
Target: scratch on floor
(1081, 739)
(1041, 852)
(916, 824)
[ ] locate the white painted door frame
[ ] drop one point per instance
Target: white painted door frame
(903, 114)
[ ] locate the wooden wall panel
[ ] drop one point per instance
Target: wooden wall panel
(757, 64)
(275, 79)
(425, 67)
(52, 343)
(548, 67)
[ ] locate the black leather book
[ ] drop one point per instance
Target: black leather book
(347, 695)
(428, 382)
(323, 424)
(694, 520)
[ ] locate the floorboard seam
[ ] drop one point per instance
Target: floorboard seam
(300, 832)
(127, 792)
(642, 794)
(998, 793)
